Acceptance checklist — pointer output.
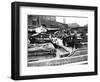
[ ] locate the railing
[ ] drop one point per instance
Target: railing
(59, 61)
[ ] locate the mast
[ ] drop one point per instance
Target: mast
(64, 20)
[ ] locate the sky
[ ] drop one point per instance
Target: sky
(80, 20)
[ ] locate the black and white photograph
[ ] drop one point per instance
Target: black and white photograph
(57, 40)
(53, 40)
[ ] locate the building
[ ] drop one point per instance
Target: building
(37, 20)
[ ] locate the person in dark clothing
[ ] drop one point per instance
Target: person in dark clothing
(74, 41)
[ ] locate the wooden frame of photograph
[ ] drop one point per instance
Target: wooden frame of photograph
(16, 38)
